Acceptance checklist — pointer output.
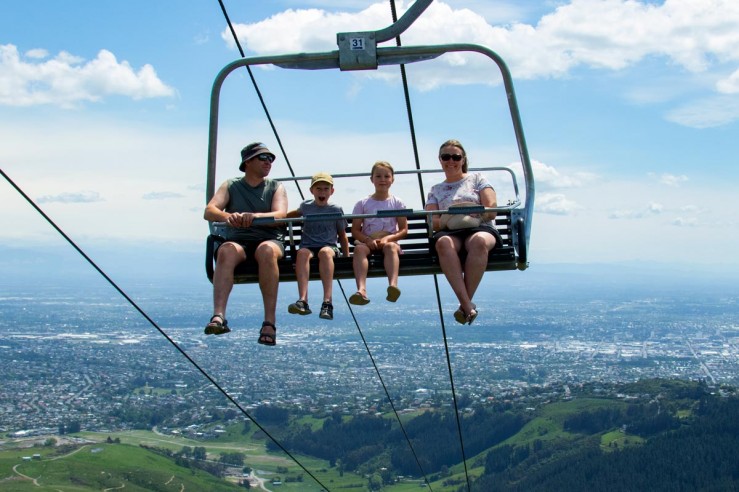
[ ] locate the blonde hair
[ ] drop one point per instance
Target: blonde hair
(384, 164)
(456, 143)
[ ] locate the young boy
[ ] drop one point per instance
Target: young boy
(318, 238)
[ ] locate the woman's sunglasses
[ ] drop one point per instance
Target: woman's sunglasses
(454, 157)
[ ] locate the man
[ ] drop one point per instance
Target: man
(238, 202)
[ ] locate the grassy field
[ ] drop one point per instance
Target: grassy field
(99, 464)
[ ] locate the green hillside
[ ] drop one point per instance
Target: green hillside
(101, 466)
(652, 435)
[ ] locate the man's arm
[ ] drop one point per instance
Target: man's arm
(214, 210)
(279, 204)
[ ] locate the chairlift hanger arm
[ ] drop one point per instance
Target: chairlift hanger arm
(391, 55)
(405, 21)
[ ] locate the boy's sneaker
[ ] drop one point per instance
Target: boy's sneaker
(299, 307)
(327, 311)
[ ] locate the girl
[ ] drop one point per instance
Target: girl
(378, 234)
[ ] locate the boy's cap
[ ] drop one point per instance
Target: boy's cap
(321, 177)
(252, 150)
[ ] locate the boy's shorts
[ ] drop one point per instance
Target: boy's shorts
(316, 249)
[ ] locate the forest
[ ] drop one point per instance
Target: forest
(651, 435)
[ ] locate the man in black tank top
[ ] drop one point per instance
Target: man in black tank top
(238, 202)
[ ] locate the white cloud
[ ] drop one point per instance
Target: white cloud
(161, 195)
(650, 210)
(67, 80)
(672, 180)
(706, 112)
(555, 203)
(694, 37)
(38, 53)
(730, 84)
(610, 34)
(93, 187)
(201, 38)
(693, 209)
(67, 197)
(684, 222)
(549, 177)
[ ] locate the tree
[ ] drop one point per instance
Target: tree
(374, 482)
(233, 459)
(199, 453)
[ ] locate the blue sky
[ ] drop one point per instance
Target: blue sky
(630, 108)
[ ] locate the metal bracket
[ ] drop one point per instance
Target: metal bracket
(358, 50)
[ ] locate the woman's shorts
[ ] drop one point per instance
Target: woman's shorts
(465, 233)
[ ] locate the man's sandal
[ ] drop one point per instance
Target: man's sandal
(268, 338)
(216, 327)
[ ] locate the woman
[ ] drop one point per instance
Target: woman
(476, 240)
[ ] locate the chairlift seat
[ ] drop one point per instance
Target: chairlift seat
(418, 257)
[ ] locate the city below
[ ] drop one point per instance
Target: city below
(92, 360)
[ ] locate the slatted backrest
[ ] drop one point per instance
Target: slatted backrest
(418, 257)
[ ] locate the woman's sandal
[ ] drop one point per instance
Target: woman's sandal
(268, 338)
(215, 327)
(464, 318)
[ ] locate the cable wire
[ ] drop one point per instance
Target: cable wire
(408, 110)
(155, 325)
(436, 282)
(259, 95)
(387, 393)
(241, 51)
(451, 380)
(423, 201)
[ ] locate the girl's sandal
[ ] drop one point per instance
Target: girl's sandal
(215, 327)
(358, 299)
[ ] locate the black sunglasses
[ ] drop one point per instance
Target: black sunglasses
(454, 157)
(266, 157)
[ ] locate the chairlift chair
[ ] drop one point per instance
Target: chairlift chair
(359, 51)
